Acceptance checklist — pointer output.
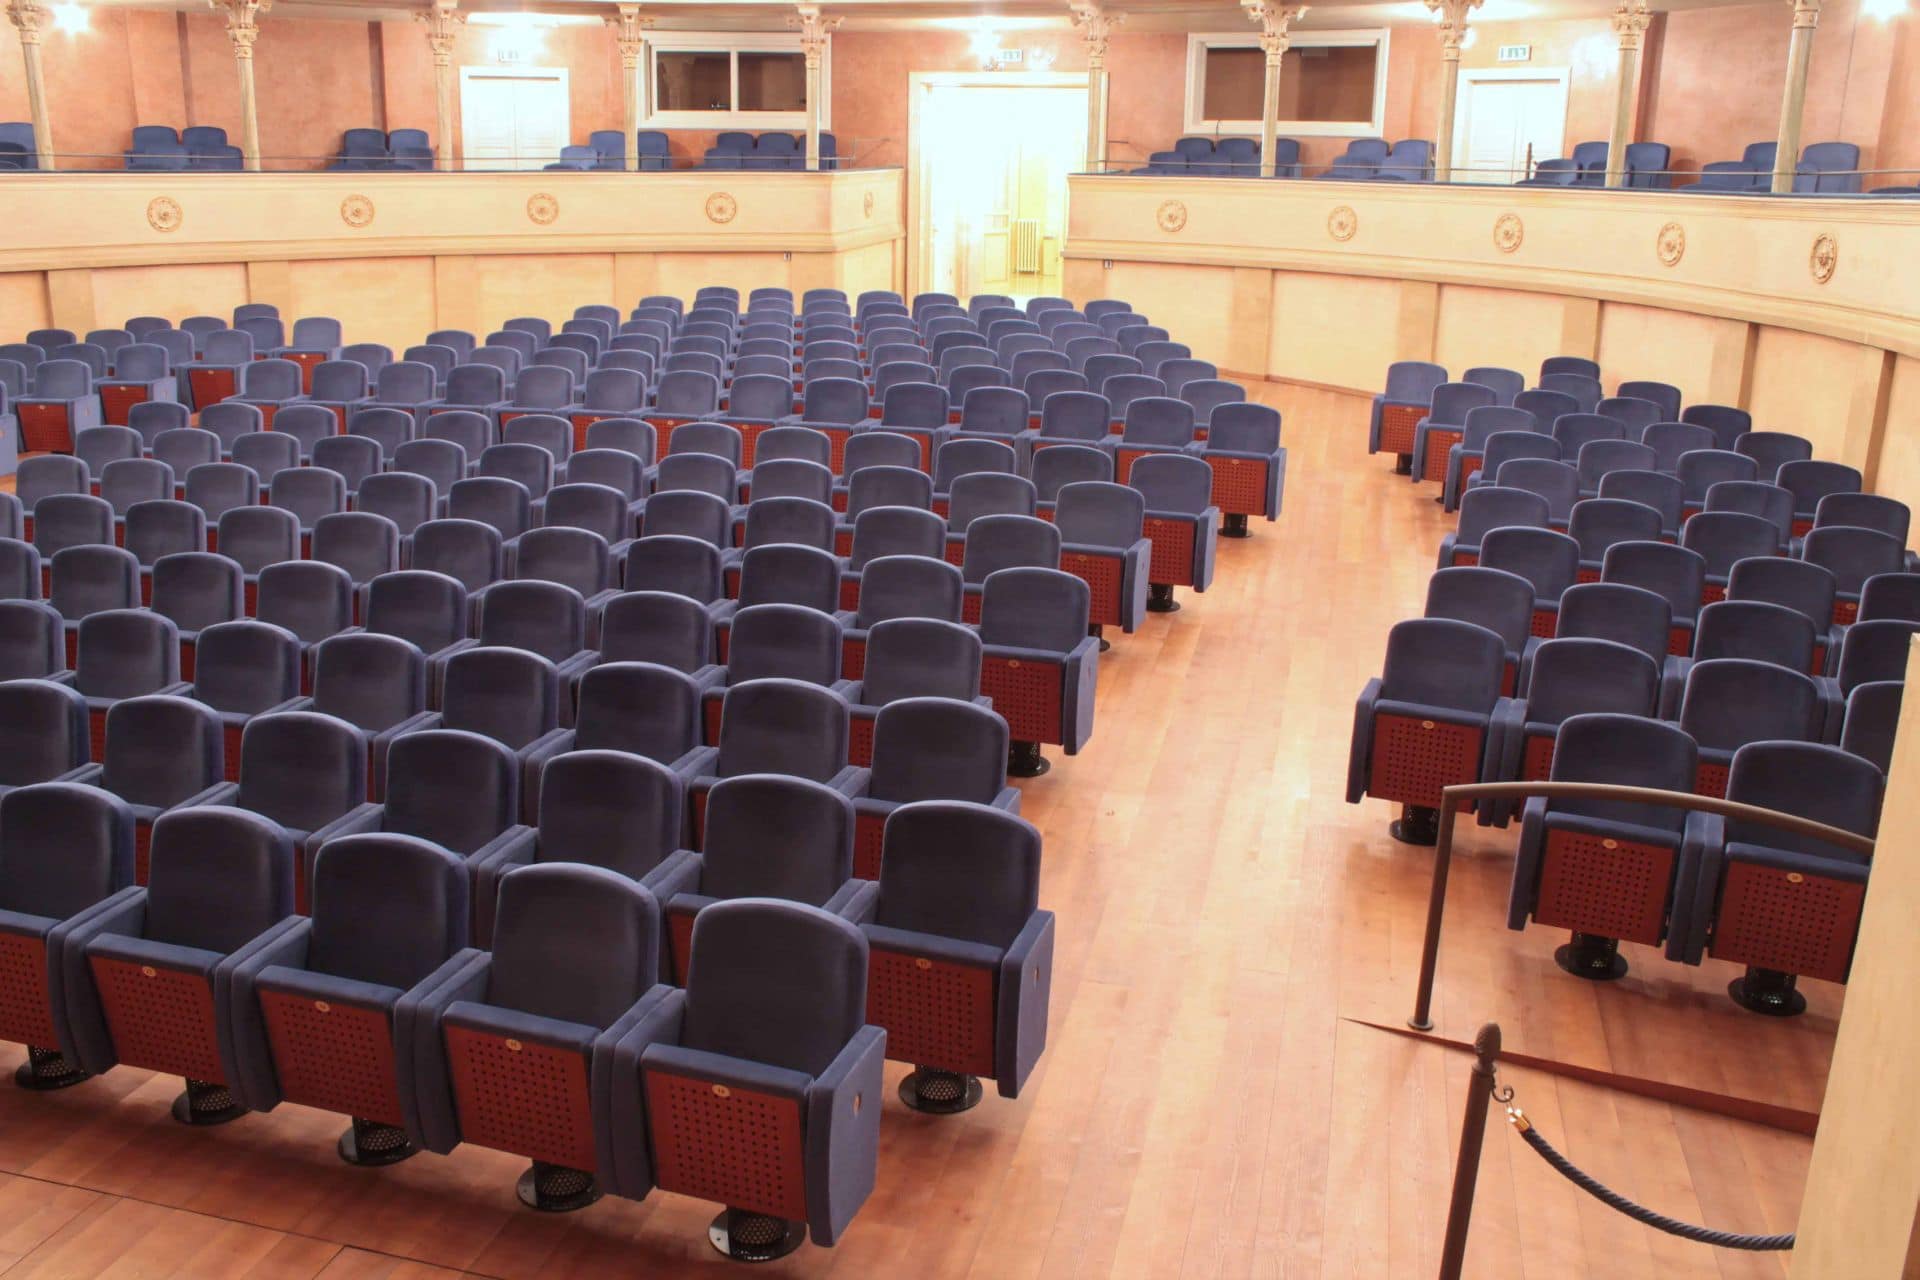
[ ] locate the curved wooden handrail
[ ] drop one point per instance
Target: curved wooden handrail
(1451, 797)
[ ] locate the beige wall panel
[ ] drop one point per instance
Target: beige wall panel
(1195, 303)
(1656, 344)
(682, 274)
(868, 268)
(1900, 453)
(545, 285)
(196, 289)
(1333, 329)
(1805, 383)
(1499, 327)
(386, 300)
(633, 279)
(23, 304)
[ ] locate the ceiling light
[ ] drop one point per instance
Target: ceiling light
(71, 18)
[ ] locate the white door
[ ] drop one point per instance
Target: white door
(513, 119)
(1506, 118)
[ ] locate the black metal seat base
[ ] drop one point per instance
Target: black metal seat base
(940, 1093)
(370, 1144)
(46, 1070)
(1767, 992)
(745, 1236)
(1416, 825)
(1592, 957)
(554, 1188)
(206, 1103)
(1025, 761)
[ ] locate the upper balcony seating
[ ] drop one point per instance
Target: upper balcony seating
(1646, 167)
(1224, 158)
(17, 147)
(1824, 168)
(736, 150)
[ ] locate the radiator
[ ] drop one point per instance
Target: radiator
(1026, 246)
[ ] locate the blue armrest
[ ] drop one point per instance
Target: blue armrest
(78, 1017)
(420, 1056)
(855, 901)
(256, 1084)
(1021, 1002)
(1696, 885)
(624, 1167)
(843, 1134)
(1360, 745)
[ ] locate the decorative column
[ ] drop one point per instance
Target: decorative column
(630, 33)
(1096, 26)
(814, 31)
(1630, 22)
(444, 20)
(1453, 31)
(243, 28)
(1274, 19)
(29, 18)
(1806, 16)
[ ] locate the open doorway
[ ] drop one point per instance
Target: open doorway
(988, 159)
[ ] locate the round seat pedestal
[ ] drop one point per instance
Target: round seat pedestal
(746, 1236)
(1025, 761)
(1094, 631)
(1234, 526)
(204, 1103)
(1417, 824)
(47, 1069)
(1592, 957)
(1768, 992)
(939, 1093)
(554, 1188)
(372, 1144)
(1160, 598)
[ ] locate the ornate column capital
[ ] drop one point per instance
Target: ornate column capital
(1630, 21)
(1096, 28)
(1274, 20)
(1452, 18)
(243, 23)
(29, 18)
(814, 30)
(1806, 13)
(443, 20)
(629, 29)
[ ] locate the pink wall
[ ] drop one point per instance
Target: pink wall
(1712, 81)
(1721, 71)
(1899, 145)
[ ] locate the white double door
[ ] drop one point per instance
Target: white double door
(513, 118)
(1503, 118)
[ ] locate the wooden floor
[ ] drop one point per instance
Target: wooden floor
(1212, 1100)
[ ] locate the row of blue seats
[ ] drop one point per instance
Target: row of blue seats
(1580, 632)
(1410, 160)
(736, 150)
(195, 147)
(383, 1006)
(750, 698)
